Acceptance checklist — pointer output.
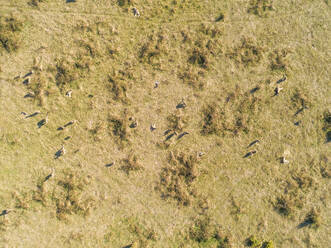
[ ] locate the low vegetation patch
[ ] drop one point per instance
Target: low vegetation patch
(294, 195)
(119, 128)
(260, 7)
(10, 28)
(327, 125)
(232, 116)
(177, 121)
(131, 163)
(208, 234)
(247, 53)
(278, 60)
(253, 242)
(177, 177)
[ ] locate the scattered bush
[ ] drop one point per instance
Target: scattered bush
(131, 163)
(119, 128)
(260, 7)
(177, 121)
(278, 60)
(246, 53)
(327, 125)
(231, 117)
(253, 242)
(10, 28)
(313, 219)
(118, 88)
(70, 195)
(176, 179)
(205, 232)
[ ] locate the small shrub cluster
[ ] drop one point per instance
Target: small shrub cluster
(300, 99)
(253, 242)
(327, 125)
(247, 53)
(35, 3)
(119, 128)
(278, 60)
(177, 121)
(294, 193)
(10, 29)
(154, 49)
(131, 163)
(70, 195)
(176, 179)
(260, 7)
(232, 116)
(313, 219)
(206, 233)
(144, 235)
(118, 88)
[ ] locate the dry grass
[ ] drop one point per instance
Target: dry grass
(225, 59)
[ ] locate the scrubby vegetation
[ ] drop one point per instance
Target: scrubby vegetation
(10, 28)
(154, 115)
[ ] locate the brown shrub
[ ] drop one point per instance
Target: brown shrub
(260, 7)
(10, 29)
(131, 163)
(177, 177)
(246, 53)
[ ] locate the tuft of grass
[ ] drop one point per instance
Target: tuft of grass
(10, 29)
(177, 177)
(70, 195)
(207, 233)
(119, 128)
(231, 117)
(260, 7)
(125, 3)
(327, 125)
(247, 53)
(22, 200)
(35, 3)
(131, 163)
(177, 121)
(118, 87)
(313, 219)
(253, 242)
(278, 60)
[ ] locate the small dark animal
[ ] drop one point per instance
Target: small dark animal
(70, 1)
(66, 138)
(5, 212)
(281, 80)
(170, 136)
(249, 154)
(181, 135)
(59, 129)
(50, 175)
(41, 123)
(182, 104)
(133, 124)
(28, 74)
(253, 143)
(69, 123)
(297, 123)
(110, 164)
(59, 153)
(277, 90)
(26, 81)
(300, 110)
(220, 18)
(167, 131)
(254, 89)
(29, 95)
(32, 115)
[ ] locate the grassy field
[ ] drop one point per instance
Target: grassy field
(229, 72)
